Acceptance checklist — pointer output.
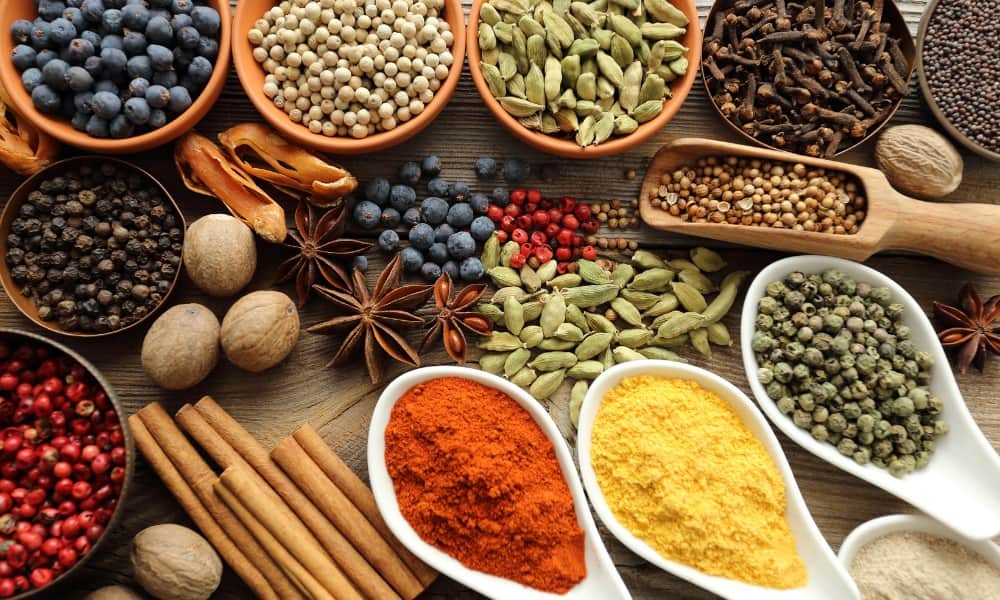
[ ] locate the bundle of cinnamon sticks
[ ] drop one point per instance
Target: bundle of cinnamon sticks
(293, 523)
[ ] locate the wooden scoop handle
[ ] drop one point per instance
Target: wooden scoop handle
(966, 235)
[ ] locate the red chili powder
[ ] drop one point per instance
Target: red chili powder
(476, 477)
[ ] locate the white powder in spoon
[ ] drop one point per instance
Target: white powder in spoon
(917, 566)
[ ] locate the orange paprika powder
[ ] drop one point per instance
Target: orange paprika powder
(477, 478)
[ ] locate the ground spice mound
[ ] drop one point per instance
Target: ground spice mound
(477, 478)
(679, 470)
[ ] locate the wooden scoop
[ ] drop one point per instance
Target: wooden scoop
(967, 235)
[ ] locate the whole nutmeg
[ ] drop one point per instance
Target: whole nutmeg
(919, 161)
(259, 330)
(172, 562)
(182, 346)
(220, 255)
(114, 592)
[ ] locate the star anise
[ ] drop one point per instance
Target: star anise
(318, 244)
(453, 317)
(972, 328)
(373, 319)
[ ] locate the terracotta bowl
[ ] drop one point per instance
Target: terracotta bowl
(567, 147)
(251, 76)
(61, 128)
(20, 196)
(899, 29)
(16, 336)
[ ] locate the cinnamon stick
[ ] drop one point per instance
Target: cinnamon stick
(345, 516)
(242, 444)
(292, 534)
(359, 494)
(186, 497)
(293, 568)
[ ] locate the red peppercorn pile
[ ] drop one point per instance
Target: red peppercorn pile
(62, 467)
(545, 229)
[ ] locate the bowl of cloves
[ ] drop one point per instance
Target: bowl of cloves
(814, 78)
(91, 246)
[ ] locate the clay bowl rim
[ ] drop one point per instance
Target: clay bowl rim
(20, 195)
(568, 148)
(62, 130)
(928, 95)
(117, 516)
(908, 46)
(251, 76)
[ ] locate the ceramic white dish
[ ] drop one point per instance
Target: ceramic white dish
(961, 485)
(602, 580)
(869, 531)
(827, 578)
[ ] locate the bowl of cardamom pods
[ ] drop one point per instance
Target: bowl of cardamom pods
(583, 79)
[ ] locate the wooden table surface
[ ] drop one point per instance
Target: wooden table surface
(339, 402)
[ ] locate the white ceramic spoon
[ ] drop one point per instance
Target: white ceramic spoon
(961, 485)
(602, 581)
(827, 578)
(869, 531)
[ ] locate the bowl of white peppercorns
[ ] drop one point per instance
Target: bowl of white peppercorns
(349, 76)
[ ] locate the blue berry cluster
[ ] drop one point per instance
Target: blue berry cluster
(442, 228)
(116, 68)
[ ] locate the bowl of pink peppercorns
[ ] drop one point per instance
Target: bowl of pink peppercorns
(65, 462)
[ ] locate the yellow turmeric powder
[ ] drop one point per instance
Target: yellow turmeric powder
(681, 472)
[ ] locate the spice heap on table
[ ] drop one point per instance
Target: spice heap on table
(476, 477)
(719, 506)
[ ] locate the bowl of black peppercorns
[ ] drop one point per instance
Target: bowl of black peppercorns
(91, 246)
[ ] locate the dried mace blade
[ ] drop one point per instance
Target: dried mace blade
(318, 246)
(971, 329)
(372, 319)
(453, 317)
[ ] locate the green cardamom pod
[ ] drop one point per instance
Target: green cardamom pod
(576, 396)
(603, 37)
(566, 280)
(504, 277)
(487, 39)
(510, 6)
(591, 295)
(553, 78)
(519, 48)
(661, 31)
(553, 314)
(504, 32)
(600, 323)
(722, 302)
(591, 272)
(628, 5)
(585, 369)
(503, 293)
(575, 316)
(519, 107)
(666, 303)
(660, 320)
(532, 335)
(641, 300)
(583, 11)
(697, 280)
(707, 260)
(490, 57)
(537, 50)
(594, 344)
(605, 89)
(530, 26)
(644, 259)
(607, 358)
(515, 86)
(534, 122)
(699, 340)
(681, 264)
(553, 45)
(679, 66)
(516, 361)
(560, 7)
(586, 86)
(664, 11)
(679, 324)
(529, 279)
(622, 274)
(559, 28)
(506, 65)
(494, 80)
(579, 30)
(571, 69)
(668, 51)
(718, 334)
(653, 89)
(547, 384)
(567, 99)
(622, 51)
(567, 120)
(492, 362)
(524, 378)
(657, 353)
(604, 104)
(647, 111)
(584, 47)
(552, 361)
(604, 128)
(610, 68)
(491, 311)
(652, 280)
(626, 311)
(488, 14)
(501, 341)
(491, 252)
(585, 108)
(675, 342)
(642, 52)
(626, 354)
(690, 298)
(585, 134)
(626, 28)
(532, 310)
(541, 8)
(547, 271)
(625, 125)
(513, 316)
(556, 344)
(634, 338)
(569, 332)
